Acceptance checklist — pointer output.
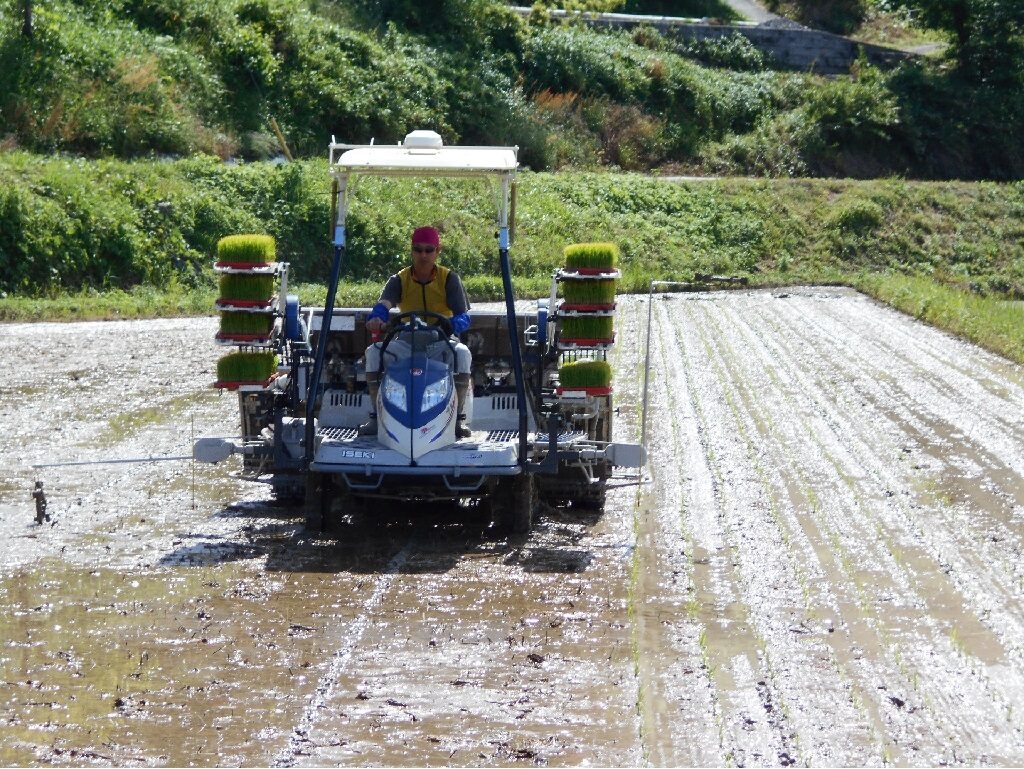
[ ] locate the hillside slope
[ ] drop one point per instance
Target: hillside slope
(140, 77)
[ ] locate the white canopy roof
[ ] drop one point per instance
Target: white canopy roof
(427, 158)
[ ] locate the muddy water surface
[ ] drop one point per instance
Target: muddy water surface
(823, 566)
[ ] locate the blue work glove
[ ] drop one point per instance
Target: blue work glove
(460, 322)
(380, 312)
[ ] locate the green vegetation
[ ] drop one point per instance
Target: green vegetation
(587, 327)
(68, 225)
(957, 240)
(137, 77)
(994, 324)
(591, 255)
(251, 249)
(987, 35)
(256, 288)
(246, 367)
(589, 291)
(690, 9)
(232, 323)
(585, 373)
(90, 304)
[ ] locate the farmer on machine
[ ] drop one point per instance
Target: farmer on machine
(424, 285)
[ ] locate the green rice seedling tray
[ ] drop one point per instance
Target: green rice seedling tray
(243, 251)
(238, 289)
(245, 327)
(585, 374)
(240, 369)
(591, 256)
(588, 326)
(244, 323)
(585, 295)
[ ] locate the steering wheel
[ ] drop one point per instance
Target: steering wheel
(443, 330)
(443, 322)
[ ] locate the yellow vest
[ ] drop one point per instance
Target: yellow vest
(425, 296)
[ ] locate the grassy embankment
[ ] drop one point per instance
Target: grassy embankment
(78, 235)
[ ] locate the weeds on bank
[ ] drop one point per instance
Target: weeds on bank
(991, 322)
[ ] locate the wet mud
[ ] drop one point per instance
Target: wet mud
(822, 566)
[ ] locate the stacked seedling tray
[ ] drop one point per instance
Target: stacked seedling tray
(586, 317)
(251, 282)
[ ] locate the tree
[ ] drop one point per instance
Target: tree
(26, 27)
(986, 33)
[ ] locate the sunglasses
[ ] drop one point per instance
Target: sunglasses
(424, 249)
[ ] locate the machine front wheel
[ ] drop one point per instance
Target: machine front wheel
(319, 497)
(525, 503)
(512, 503)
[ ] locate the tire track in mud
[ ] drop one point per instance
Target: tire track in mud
(300, 737)
(486, 652)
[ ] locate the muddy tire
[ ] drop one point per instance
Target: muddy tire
(591, 497)
(288, 489)
(525, 503)
(513, 503)
(496, 506)
(319, 496)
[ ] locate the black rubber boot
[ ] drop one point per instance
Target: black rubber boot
(461, 389)
(372, 385)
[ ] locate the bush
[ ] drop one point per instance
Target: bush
(730, 52)
(99, 87)
(857, 111)
(858, 217)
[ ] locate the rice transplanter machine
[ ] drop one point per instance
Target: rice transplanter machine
(531, 437)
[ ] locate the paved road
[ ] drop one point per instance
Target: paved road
(751, 10)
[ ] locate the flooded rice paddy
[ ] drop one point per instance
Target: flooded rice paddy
(823, 566)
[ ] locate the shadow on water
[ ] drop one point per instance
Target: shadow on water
(434, 538)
